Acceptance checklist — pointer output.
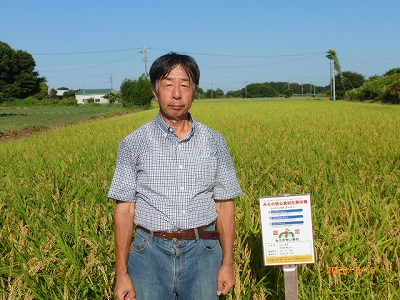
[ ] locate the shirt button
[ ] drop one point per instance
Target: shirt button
(180, 167)
(182, 188)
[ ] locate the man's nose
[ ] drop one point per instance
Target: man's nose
(176, 92)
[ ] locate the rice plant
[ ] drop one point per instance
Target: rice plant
(56, 236)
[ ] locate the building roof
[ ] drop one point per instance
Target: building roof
(94, 91)
(61, 92)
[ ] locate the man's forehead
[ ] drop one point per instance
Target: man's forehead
(177, 73)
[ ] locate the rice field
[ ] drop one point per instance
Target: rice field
(17, 121)
(56, 236)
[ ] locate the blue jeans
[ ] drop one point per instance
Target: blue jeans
(175, 269)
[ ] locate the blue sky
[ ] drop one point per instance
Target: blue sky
(82, 43)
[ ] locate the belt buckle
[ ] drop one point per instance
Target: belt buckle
(164, 234)
(174, 234)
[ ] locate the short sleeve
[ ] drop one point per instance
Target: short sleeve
(226, 184)
(123, 184)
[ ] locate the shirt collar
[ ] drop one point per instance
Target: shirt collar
(166, 128)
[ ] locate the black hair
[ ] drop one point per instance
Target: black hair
(164, 64)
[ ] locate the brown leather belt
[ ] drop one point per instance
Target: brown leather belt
(187, 234)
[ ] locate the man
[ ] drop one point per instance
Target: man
(176, 181)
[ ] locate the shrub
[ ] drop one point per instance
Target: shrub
(385, 89)
(136, 92)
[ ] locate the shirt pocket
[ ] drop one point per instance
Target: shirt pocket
(206, 170)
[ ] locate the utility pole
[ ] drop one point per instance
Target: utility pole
(145, 58)
(333, 92)
(302, 90)
(334, 65)
(111, 80)
(245, 90)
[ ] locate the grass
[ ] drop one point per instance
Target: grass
(56, 236)
(22, 120)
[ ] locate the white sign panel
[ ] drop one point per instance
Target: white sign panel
(287, 233)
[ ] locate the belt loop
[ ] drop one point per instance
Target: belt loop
(149, 232)
(151, 236)
(196, 232)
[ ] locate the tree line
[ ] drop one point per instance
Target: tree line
(19, 80)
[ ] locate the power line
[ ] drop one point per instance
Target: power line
(145, 51)
(86, 52)
(373, 62)
(241, 55)
(259, 64)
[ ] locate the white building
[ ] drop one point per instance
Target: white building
(97, 95)
(60, 93)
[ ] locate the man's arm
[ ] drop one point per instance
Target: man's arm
(226, 229)
(124, 217)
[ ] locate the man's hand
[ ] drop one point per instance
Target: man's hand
(124, 217)
(124, 289)
(226, 229)
(226, 279)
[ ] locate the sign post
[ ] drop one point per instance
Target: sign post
(291, 286)
(287, 236)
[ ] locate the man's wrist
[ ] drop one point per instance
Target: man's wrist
(227, 261)
(121, 272)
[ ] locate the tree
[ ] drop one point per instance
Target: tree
(260, 90)
(288, 93)
(53, 94)
(236, 94)
(351, 80)
(69, 94)
(274, 89)
(378, 88)
(136, 92)
(113, 97)
(43, 93)
(17, 76)
(212, 94)
(391, 91)
(392, 71)
(200, 93)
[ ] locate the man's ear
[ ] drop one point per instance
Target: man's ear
(154, 91)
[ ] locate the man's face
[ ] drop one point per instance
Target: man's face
(175, 94)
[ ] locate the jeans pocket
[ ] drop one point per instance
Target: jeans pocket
(139, 243)
(210, 244)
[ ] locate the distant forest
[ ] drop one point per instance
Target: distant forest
(19, 80)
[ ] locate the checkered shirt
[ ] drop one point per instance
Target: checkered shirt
(174, 183)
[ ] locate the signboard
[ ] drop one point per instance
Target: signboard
(287, 233)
